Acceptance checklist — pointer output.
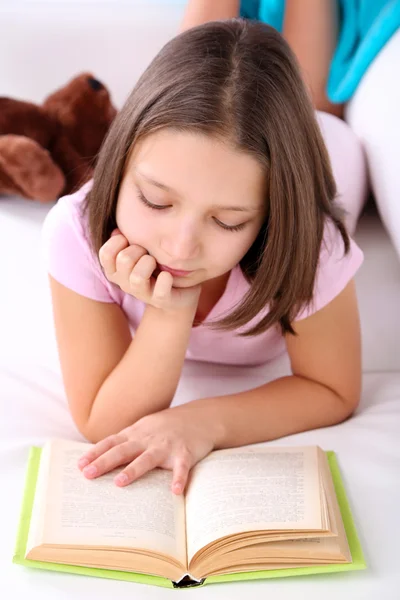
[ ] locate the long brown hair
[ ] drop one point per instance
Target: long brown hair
(237, 80)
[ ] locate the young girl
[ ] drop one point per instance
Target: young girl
(209, 232)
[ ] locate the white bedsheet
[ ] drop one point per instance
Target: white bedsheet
(33, 408)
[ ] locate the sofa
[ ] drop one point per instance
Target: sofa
(43, 44)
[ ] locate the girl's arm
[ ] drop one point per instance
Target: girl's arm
(311, 29)
(201, 11)
(323, 390)
(112, 381)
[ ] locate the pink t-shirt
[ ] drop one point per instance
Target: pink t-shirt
(70, 260)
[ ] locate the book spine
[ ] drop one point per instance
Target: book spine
(188, 581)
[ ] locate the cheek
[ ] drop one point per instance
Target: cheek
(228, 253)
(238, 248)
(136, 226)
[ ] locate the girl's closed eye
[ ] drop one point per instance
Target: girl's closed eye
(152, 206)
(230, 227)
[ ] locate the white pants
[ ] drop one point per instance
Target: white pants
(365, 151)
(374, 115)
(348, 164)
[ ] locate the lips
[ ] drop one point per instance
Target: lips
(174, 272)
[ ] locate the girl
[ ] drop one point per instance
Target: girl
(208, 232)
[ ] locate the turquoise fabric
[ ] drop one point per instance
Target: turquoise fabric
(365, 27)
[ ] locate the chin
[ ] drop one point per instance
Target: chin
(179, 283)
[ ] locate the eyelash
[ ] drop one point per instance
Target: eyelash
(157, 207)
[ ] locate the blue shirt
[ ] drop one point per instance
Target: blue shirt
(364, 28)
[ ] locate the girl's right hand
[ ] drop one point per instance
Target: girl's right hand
(131, 268)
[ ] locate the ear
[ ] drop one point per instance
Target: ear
(83, 94)
(84, 109)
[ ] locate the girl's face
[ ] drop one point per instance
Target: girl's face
(194, 203)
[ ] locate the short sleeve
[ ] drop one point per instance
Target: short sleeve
(67, 254)
(335, 270)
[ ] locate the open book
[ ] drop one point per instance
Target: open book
(250, 512)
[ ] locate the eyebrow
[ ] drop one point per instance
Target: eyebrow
(170, 190)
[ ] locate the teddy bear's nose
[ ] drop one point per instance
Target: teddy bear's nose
(95, 84)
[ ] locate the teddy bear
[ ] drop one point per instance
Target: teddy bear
(48, 150)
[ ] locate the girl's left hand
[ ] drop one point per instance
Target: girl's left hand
(173, 439)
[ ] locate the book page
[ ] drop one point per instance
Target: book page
(145, 514)
(253, 488)
(335, 516)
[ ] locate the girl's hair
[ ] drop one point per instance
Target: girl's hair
(238, 81)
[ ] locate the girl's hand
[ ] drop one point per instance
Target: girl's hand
(173, 439)
(132, 269)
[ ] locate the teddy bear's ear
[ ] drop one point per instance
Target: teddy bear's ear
(74, 92)
(95, 84)
(84, 109)
(83, 100)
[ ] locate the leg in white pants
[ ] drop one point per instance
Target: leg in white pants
(374, 115)
(348, 165)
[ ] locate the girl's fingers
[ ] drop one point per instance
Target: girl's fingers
(163, 286)
(99, 449)
(139, 279)
(147, 461)
(145, 266)
(127, 259)
(114, 457)
(109, 251)
(180, 475)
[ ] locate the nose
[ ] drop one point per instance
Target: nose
(181, 244)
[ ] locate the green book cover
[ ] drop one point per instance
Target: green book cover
(357, 563)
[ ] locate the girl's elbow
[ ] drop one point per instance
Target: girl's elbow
(88, 432)
(93, 429)
(348, 405)
(94, 432)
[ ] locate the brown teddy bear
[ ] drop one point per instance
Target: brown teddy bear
(49, 150)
